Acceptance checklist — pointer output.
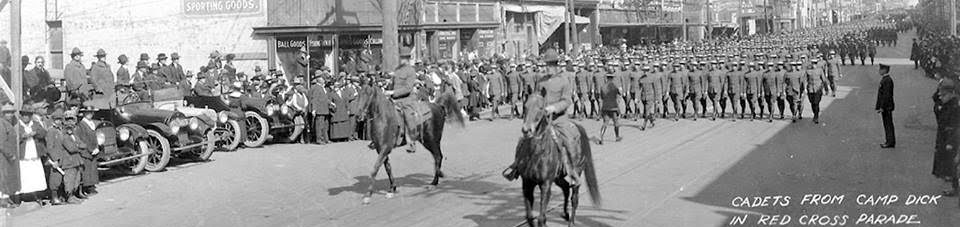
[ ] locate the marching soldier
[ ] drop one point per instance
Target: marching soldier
(833, 72)
(623, 79)
(678, 86)
(634, 96)
(649, 95)
(513, 89)
(795, 84)
(584, 88)
(716, 87)
(695, 89)
(752, 88)
(665, 87)
(815, 86)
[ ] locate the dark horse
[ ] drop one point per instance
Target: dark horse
(384, 131)
(539, 161)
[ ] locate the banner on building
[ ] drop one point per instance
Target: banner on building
(221, 7)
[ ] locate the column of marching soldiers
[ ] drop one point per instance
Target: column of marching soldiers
(757, 77)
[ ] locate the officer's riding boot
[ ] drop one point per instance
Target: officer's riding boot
(411, 142)
(573, 174)
(55, 197)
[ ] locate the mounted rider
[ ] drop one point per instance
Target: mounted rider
(411, 108)
(558, 92)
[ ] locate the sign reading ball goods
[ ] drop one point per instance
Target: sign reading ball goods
(221, 7)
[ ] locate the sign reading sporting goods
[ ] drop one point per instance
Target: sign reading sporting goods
(221, 7)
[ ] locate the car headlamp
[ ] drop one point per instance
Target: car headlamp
(124, 134)
(194, 123)
(271, 109)
(101, 138)
(285, 110)
(222, 116)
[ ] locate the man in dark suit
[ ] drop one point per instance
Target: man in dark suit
(320, 106)
(885, 106)
(86, 132)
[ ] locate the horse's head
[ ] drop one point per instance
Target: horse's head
(534, 115)
(365, 98)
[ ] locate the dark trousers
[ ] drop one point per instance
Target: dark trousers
(321, 128)
(68, 181)
(888, 130)
(89, 175)
(814, 98)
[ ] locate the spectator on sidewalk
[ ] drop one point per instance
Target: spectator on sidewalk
(885, 106)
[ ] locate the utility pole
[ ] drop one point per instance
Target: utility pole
(575, 34)
(391, 42)
(16, 67)
(709, 21)
(566, 27)
(740, 17)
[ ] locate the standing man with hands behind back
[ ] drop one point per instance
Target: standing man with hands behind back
(885, 106)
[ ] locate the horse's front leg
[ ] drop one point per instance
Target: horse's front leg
(544, 202)
(373, 175)
(528, 201)
(389, 170)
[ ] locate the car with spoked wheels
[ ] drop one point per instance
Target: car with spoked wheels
(271, 116)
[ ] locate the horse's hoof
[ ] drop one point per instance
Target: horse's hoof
(430, 187)
(441, 175)
(389, 195)
(365, 200)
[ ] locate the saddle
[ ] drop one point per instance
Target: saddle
(566, 135)
(414, 112)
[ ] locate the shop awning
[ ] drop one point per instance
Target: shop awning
(548, 18)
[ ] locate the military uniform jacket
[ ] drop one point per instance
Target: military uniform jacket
(664, 83)
(815, 80)
(496, 83)
(513, 82)
(794, 82)
(752, 82)
(833, 67)
(696, 80)
(715, 81)
(635, 77)
(584, 82)
(559, 92)
(678, 82)
(530, 81)
(658, 82)
(403, 82)
(598, 80)
(648, 87)
(885, 94)
(771, 85)
(623, 80)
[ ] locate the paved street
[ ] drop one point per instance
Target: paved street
(677, 174)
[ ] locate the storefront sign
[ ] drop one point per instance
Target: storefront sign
(361, 40)
(321, 41)
(291, 44)
(220, 7)
(447, 36)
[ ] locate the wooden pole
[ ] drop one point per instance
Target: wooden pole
(16, 67)
(391, 42)
(575, 34)
(566, 29)
(953, 17)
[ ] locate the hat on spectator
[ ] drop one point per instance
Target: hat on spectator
(175, 56)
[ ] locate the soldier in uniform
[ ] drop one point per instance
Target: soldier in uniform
(716, 88)
(842, 51)
(773, 88)
(795, 83)
(664, 88)
(404, 80)
(696, 88)
(872, 51)
(581, 78)
(123, 71)
(558, 91)
(513, 89)
(752, 88)
(599, 78)
(609, 108)
(634, 95)
(623, 79)
(649, 95)
(833, 72)
(885, 106)
(815, 86)
(496, 86)
(678, 86)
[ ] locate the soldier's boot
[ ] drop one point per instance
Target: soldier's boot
(573, 174)
(73, 199)
(411, 141)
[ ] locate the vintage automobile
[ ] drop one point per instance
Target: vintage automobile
(123, 145)
(232, 130)
(271, 114)
(170, 133)
(213, 110)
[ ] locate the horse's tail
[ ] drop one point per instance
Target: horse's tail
(589, 170)
(451, 108)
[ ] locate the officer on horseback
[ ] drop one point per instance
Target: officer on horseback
(404, 80)
(557, 96)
